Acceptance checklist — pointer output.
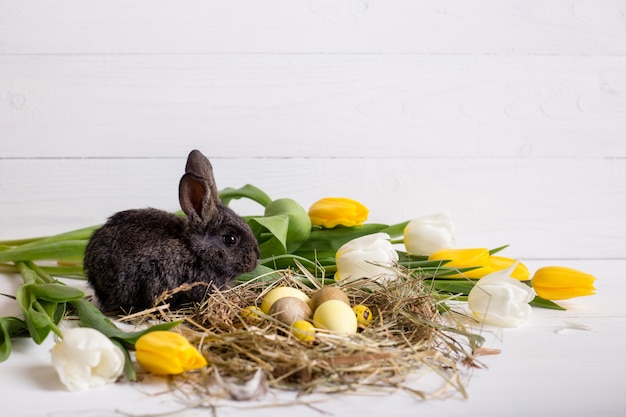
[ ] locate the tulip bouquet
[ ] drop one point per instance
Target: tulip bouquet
(335, 241)
(331, 243)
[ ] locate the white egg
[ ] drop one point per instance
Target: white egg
(290, 309)
(281, 292)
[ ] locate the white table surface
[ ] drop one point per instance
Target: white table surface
(547, 366)
(507, 114)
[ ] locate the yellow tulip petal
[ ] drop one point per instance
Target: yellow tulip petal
(333, 211)
(562, 293)
(159, 364)
(464, 258)
(460, 258)
(499, 263)
(167, 353)
(561, 283)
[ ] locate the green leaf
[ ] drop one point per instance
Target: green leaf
(277, 226)
(395, 230)
(57, 292)
(247, 191)
(299, 228)
(90, 316)
(35, 317)
(69, 249)
(261, 272)
(10, 327)
(129, 369)
(496, 250)
(79, 234)
(59, 312)
(283, 228)
(321, 239)
(316, 255)
(543, 303)
(76, 272)
(462, 287)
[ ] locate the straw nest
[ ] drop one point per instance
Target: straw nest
(407, 335)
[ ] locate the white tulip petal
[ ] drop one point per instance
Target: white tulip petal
(428, 234)
(86, 358)
(500, 300)
(366, 257)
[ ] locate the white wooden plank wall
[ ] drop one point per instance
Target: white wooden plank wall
(509, 115)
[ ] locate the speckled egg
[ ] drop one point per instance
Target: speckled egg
(364, 315)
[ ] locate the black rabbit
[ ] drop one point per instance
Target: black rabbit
(137, 255)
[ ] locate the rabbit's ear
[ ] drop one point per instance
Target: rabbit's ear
(199, 165)
(197, 197)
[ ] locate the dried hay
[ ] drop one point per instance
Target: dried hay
(408, 335)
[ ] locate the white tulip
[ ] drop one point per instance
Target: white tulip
(367, 256)
(428, 234)
(500, 300)
(85, 358)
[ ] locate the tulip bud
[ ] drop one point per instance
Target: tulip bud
(330, 212)
(428, 234)
(500, 300)
(85, 358)
(367, 256)
(167, 353)
(560, 283)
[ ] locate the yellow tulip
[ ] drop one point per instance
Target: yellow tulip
(330, 212)
(479, 257)
(498, 263)
(167, 353)
(561, 283)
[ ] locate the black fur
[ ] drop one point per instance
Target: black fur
(139, 254)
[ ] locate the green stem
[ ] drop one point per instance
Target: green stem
(28, 275)
(51, 324)
(43, 275)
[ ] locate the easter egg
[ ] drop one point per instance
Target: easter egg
(251, 314)
(303, 330)
(325, 294)
(281, 292)
(290, 309)
(363, 315)
(336, 316)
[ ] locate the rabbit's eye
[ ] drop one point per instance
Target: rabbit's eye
(230, 240)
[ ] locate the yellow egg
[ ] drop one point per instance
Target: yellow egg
(303, 330)
(327, 293)
(251, 314)
(281, 292)
(363, 315)
(290, 309)
(336, 316)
